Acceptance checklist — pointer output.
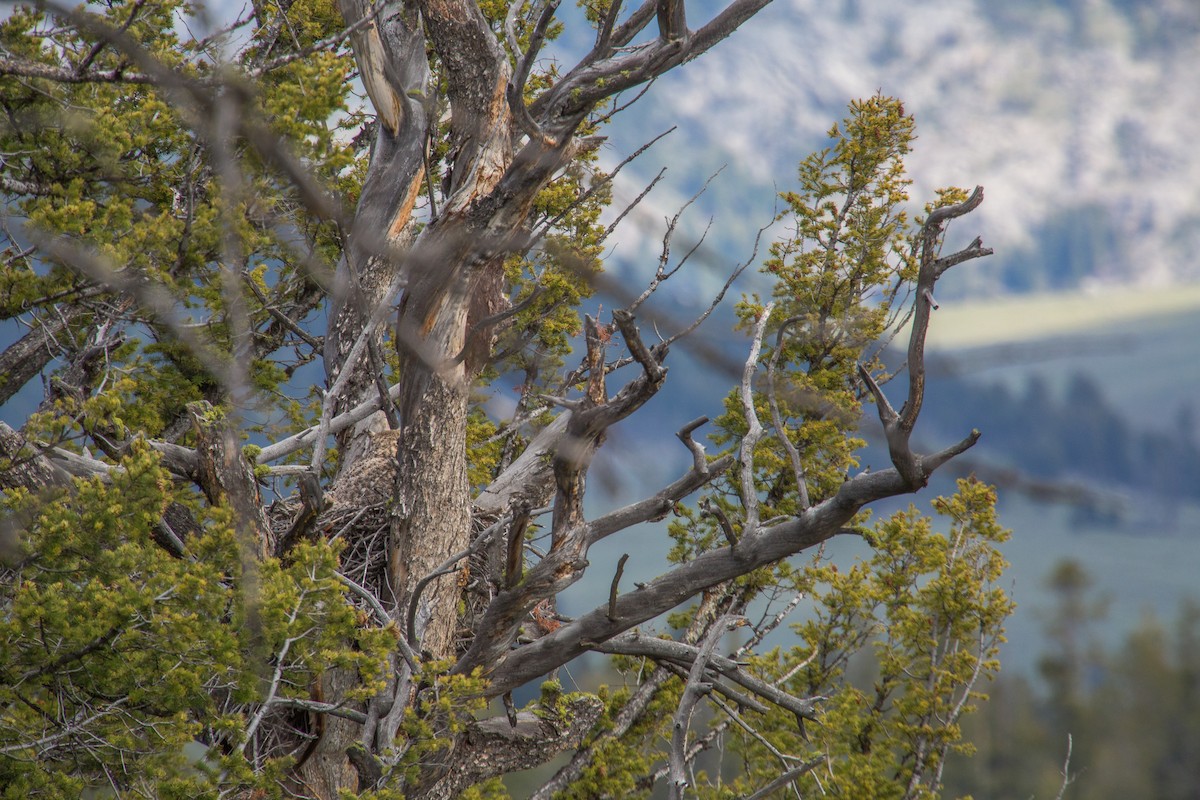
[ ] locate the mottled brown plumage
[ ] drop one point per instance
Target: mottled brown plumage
(371, 479)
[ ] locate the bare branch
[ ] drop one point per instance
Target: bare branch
(754, 428)
(693, 690)
(341, 422)
(932, 268)
(572, 459)
(101, 641)
(974, 250)
(516, 89)
(935, 460)
(379, 373)
(661, 273)
(637, 644)
(756, 548)
(637, 705)
(1066, 772)
(529, 473)
(655, 372)
(562, 567)
(720, 296)
(684, 434)
(606, 180)
(898, 427)
(628, 29)
(761, 630)
(672, 24)
(616, 582)
(280, 661)
(271, 308)
(605, 31)
(635, 202)
(317, 707)
(655, 507)
(71, 727)
(887, 414)
(364, 340)
(787, 777)
(31, 69)
(600, 75)
(381, 614)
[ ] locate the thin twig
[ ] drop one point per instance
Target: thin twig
(278, 315)
(787, 777)
(733, 276)
(661, 273)
(152, 297)
(1066, 772)
(633, 204)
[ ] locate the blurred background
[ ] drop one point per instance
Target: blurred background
(1075, 349)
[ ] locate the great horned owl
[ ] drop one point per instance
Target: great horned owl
(371, 479)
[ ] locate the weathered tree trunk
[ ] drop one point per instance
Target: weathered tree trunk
(450, 281)
(458, 161)
(325, 768)
(390, 52)
(391, 59)
(451, 274)
(435, 515)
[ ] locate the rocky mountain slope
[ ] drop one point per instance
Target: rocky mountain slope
(1078, 116)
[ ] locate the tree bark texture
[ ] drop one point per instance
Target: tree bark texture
(431, 273)
(502, 153)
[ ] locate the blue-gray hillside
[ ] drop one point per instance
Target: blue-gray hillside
(1076, 436)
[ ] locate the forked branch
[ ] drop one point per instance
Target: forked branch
(694, 689)
(898, 426)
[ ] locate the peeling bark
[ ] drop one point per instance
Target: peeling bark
(431, 264)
